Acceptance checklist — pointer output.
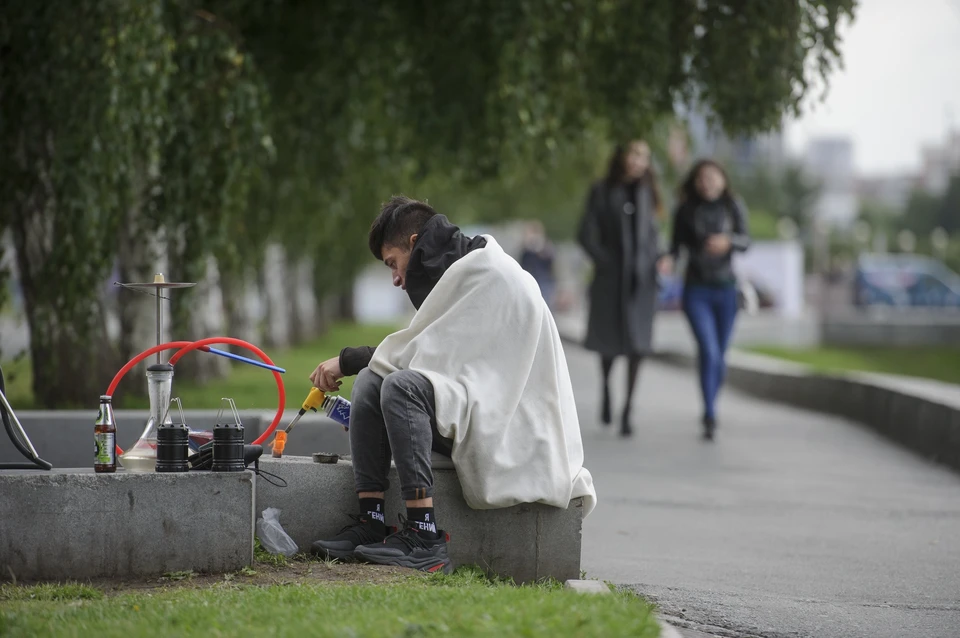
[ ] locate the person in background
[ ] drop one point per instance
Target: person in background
(710, 224)
(537, 259)
(620, 231)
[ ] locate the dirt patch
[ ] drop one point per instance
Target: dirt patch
(294, 571)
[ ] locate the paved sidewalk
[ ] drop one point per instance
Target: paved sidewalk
(791, 524)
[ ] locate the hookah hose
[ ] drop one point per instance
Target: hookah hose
(36, 462)
(183, 347)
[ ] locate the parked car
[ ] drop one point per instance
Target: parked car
(904, 281)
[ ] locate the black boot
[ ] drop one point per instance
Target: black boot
(626, 430)
(605, 416)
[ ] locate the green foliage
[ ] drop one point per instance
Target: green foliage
(926, 211)
(75, 100)
(787, 192)
(227, 124)
(879, 216)
(800, 193)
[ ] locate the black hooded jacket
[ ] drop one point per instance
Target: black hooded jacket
(438, 246)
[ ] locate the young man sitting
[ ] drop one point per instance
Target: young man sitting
(479, 375)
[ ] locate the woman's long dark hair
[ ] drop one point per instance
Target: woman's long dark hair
(688, 193)
(618, 170)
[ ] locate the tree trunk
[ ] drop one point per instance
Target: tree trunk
(241, 321)
(345, 309)
(293, 294)
(307, 302)
(73, 361)
(138, 260)
(275, 298)
(195, 313)
(304, 323)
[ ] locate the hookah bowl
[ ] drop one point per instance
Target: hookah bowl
(142, 457)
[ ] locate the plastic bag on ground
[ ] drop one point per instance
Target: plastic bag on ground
(272, 536)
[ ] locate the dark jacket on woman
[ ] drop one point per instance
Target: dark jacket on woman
(693, 223)
(621, 234)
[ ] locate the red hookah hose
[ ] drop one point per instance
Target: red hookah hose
(281, 392)
(203, 344)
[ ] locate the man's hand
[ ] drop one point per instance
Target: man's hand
(665, 265)
(718, 244)
(327, 375)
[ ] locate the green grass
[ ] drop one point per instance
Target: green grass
(48, 592)
(464, 604)
(250, 387)
(941, 363)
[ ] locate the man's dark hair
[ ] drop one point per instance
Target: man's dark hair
(398, 219)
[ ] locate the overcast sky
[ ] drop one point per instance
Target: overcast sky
(900, 86)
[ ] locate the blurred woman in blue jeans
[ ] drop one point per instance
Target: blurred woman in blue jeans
(710, 224)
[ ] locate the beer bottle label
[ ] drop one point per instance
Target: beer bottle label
(106, 448)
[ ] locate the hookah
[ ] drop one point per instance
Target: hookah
(142, 456)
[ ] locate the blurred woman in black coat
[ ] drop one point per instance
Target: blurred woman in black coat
(620, 231)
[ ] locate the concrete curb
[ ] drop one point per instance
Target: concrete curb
(598, 587)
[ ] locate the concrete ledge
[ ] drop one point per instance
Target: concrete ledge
(525, 542)
(922, 416)
(75, 524)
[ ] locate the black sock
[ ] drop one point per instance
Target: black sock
(422, 519)
(372, 510)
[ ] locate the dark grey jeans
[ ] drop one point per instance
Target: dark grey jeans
(394, 415)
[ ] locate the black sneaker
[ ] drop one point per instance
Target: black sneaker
(341, 546)
(408, 548)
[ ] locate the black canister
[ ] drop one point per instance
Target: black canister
(173, 448)
(227, 448)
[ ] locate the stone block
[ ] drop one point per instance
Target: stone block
(526, 542)
(75, 524)
(587, 586)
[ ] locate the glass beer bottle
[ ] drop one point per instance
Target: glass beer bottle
(105, 436)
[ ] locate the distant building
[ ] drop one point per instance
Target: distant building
(830, 161)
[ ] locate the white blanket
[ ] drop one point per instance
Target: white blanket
(488, 343)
